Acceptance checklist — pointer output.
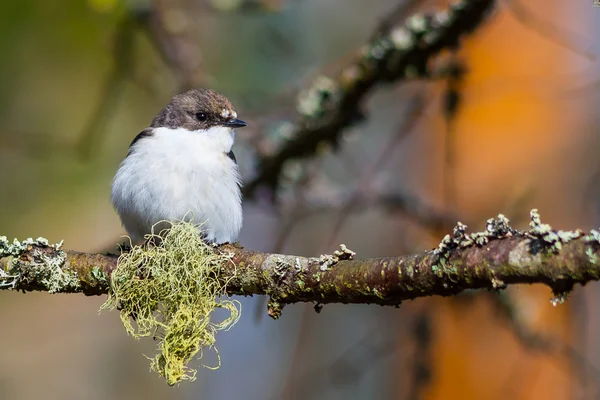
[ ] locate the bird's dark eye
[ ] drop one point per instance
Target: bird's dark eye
(201, 117)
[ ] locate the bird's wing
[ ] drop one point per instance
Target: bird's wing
(143, 134)
(232, 156)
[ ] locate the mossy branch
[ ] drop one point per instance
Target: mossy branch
(396, 53)
(492, 259)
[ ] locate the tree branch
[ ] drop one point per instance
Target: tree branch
(491, 259)
(395, 53)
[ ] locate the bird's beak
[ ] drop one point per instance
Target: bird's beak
(235, 123)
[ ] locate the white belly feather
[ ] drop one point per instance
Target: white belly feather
(177, 174)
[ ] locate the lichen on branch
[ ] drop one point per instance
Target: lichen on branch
(174, 286)
(332, 104)
(38, 265)
(492, 259)
(169, 291)
(498, 256)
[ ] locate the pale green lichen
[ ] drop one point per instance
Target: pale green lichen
(8, 280)
(169, 291)
(298, 265)
(592, 237)
(498, 283)
(282, 266)
(402, 38)
(99, 275)
(499, 228)
(559, 298)
(326, 261)
(16, 248)
(552, 239)
(592, 256)
(541, 238)
(39, 269)
(311, 101)
(49, 272)
(274, 308)
(418, 23)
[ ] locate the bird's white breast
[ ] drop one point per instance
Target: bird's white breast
(177, 174)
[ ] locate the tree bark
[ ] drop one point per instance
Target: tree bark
(492, 259)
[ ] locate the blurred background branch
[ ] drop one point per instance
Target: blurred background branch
(108, 104)
(398, 51)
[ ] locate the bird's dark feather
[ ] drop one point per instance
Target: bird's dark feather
(232, 156)
(143, 134)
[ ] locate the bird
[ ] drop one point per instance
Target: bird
(182, 168)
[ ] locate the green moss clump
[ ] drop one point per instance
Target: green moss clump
(169, 291)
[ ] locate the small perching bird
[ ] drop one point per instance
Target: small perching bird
(182, 168)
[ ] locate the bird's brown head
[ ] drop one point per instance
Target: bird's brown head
(198, 109)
